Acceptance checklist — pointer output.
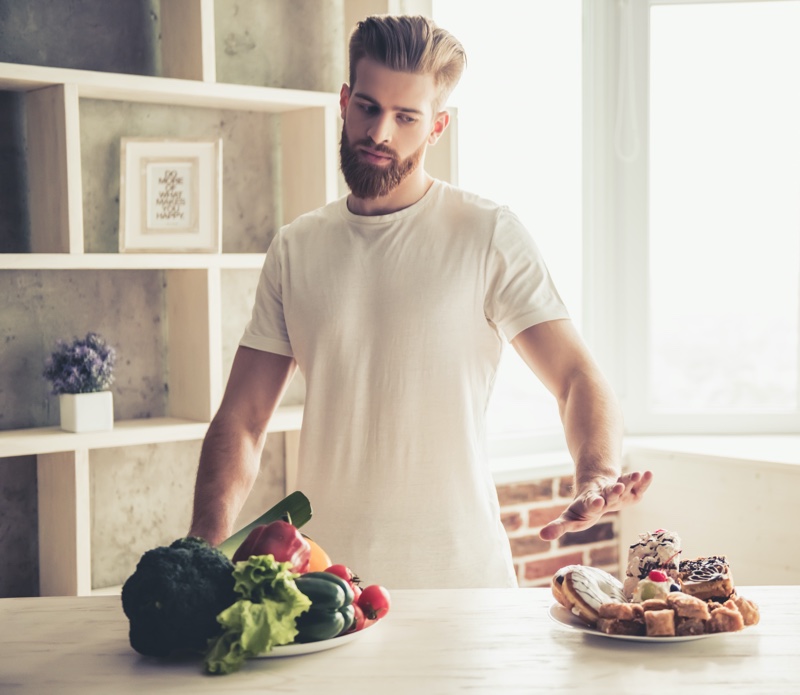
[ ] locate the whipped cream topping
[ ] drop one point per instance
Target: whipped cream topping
(659, 550)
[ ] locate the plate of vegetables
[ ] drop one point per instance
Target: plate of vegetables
(271, 592)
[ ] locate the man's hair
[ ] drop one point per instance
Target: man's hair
(411, 44)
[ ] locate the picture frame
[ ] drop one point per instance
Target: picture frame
(170, 195)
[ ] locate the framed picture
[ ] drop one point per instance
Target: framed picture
(170, 195)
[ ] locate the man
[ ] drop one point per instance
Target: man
(392, 302)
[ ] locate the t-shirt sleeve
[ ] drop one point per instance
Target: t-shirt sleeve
(519, 290)
(266, 329)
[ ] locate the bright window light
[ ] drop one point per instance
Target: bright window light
(724, 207)
(519, 143)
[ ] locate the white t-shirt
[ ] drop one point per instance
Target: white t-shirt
(395, 321)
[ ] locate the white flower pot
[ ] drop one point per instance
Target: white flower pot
(87, 412)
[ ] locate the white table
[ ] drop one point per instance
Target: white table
(433, 641)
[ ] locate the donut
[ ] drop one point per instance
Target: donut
(588, 588)
(556, 586)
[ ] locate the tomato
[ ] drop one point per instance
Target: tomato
(344, 572)
(359, 619)
(375, 602)
(348, 575)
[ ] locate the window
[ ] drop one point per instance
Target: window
(701, 215)
(724, 207)
(519, 143)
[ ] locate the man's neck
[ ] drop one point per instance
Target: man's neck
(411, 190)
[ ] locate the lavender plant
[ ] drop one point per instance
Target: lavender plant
(84, 366)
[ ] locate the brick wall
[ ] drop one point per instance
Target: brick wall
(526, 507)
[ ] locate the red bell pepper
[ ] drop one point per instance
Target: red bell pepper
(279, 539)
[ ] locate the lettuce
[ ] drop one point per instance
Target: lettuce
(263, 618)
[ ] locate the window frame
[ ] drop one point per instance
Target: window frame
(616, 220)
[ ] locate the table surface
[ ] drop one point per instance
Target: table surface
(433, 641)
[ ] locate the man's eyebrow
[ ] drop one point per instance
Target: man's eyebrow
(404, 109)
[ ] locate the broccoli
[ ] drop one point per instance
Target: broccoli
(173, 598)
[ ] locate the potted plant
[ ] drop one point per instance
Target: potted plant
(81, 373)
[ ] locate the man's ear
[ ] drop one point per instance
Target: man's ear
(440, 123)
(344, 98)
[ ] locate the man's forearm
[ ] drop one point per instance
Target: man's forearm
(593, 427)
(229, 465)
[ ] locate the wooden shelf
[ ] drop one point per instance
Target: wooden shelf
(48, 440)
(163, 90)
(130, 261)
(307, 127)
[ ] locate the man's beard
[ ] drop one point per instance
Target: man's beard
(369, 181)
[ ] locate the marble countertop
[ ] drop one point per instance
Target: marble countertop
(432, 642)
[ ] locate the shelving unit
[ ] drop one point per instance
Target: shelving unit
(307, 148)
(308, 130)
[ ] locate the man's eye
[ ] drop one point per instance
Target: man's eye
(368, 108)
(405, 118)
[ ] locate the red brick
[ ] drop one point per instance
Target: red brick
(528, 545)
(522, 493)
(547, 567)
(605, 555)
(566, 487)
(543, 515)
(595, 534)
(512, 521)
(536, 583)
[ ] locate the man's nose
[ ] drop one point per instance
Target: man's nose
(381, 130)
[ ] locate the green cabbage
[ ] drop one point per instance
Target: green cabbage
(264, 616)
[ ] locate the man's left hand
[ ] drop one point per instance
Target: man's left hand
(600, 496)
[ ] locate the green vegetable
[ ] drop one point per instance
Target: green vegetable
(332, 611)
(294, 508)
(264, 616)
(315, 625)
(173, 598)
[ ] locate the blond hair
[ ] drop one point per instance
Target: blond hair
(413, 44)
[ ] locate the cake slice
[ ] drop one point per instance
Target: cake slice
(706, 578)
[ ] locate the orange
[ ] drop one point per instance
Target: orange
(319, 558)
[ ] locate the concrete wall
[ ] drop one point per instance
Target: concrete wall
(141, 496)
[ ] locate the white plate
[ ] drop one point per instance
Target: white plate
(563, 617)
(312, 647)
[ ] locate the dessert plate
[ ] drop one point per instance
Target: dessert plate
(563, 617)
(312, 647)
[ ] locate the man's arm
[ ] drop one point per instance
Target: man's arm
(592, 422)
(231, 452)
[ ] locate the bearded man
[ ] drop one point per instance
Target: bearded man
(394, 303)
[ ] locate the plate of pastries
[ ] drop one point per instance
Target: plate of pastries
(663, 598)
